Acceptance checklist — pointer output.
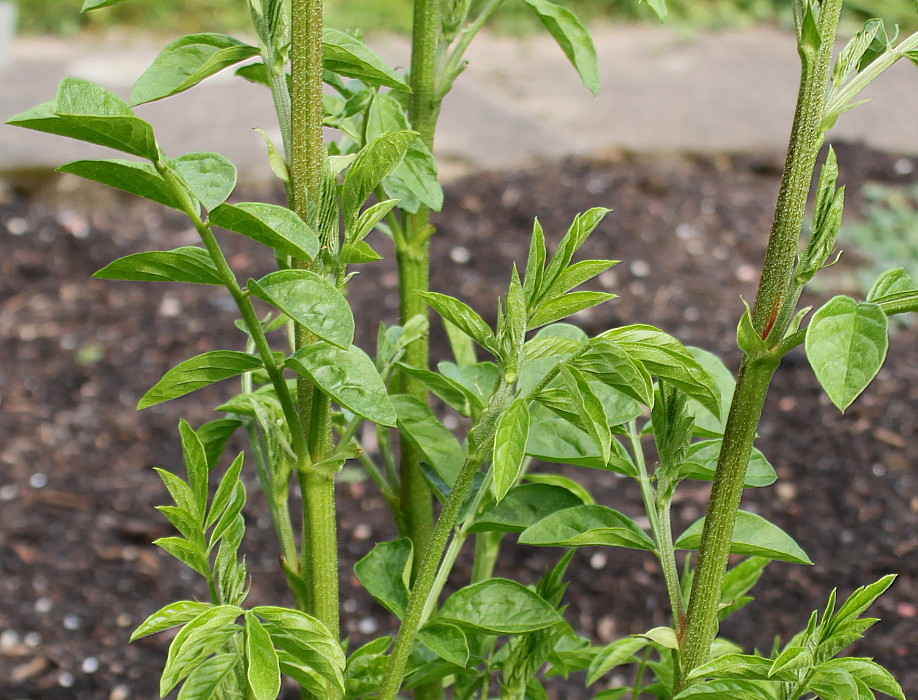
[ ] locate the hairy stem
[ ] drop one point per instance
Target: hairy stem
(307, 157)
(756, 372)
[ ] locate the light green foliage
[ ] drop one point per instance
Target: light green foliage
(556, 395)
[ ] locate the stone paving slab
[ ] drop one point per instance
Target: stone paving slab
(518, 101)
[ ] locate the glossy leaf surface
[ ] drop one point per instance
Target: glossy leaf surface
(497, 606)
(188, 264)
(199, 372)
(753, 536)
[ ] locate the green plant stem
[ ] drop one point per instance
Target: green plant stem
(413, 257)
(319, 555)
(657, 510)
(480, 443)
(452, 66)
(756, 372)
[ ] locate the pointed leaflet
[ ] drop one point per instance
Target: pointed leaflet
(701, 463)
(345, 55)
(891, 283)
(97, 4)
(753, 536)
(846, 345)
(590, 409)
(385, 573)
(197, 640)
(310, 300)
(572, 37)
(457, 396)
(196, 465)
(88, 112)
(440, 448)
(199, 372)
(497, 606)
(510, 447)
(725, 690)
(189, 264)
(446, 641)
(619, 652)
(347, 376)
(566, 305)
(262, 669)
(373, 163)
(186, 62)
(277, 227)
(414, 180)
(126, 175)
(706, 423)
(464, 318)
(210, 177)
(206, 680)
(588, 525)
(306, 641)
(613, 366)
(667, 358)
(170, 616)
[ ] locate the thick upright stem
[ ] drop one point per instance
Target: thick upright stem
(756, 372)
(307, 158)
(413, 257)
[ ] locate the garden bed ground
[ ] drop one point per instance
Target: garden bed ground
(77, 489)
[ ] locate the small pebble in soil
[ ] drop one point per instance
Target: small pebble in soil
(639, 268)
(904, 166)
(43, 605)
(786, 491)
(170, 307)
(362, 532)
(367, 625)
(123, 620)
(685, 231)
(72, 622)
(119, 692)
(17, 226)
(38, 480)
(9, 639)
(8, 492)
(65, 680)
(460, 255)
(90, 664)
(598, 561)
(746, 273)
(32, 639)
(349, 605)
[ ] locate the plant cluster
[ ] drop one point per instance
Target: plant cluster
(533, 389)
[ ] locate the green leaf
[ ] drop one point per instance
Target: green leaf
(262, 668)
(97, 4)
(349, 377)
(385, 573)
(556, 440)
(725, 690)
(88, 112)
(740, 667)
(497, 606)
(446, 641)
(368, 220)
(619, 652)
(706, 423)
(861, 599)
(306, 641)
(523, 506)
(440, 448)
(225, 491)
(890, 283)
(186, 62)
(345, 55)
(181, 493)
(130, 176)
(188, 264)
(613, 366)
(590, 409)
(197, 640)
(310, 300)
(658, 7)
(555, 309)
(196, 464)
(563, 482)
(452, 392)
(753, 536)
(846, 345)
(277, 227)
(869, 673)
(510, 447)
(186, 552)
(588, 525)
(572, 37)
(169, 616)
(210, 177)
(464, 318)
(479, 378)
(414, 180)
(215, 434)
(206, 680)
(667, 358)
(701, 463)
(374, 161)
(200, 371)
(666, 637)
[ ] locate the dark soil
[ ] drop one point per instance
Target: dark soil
(77, 489)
